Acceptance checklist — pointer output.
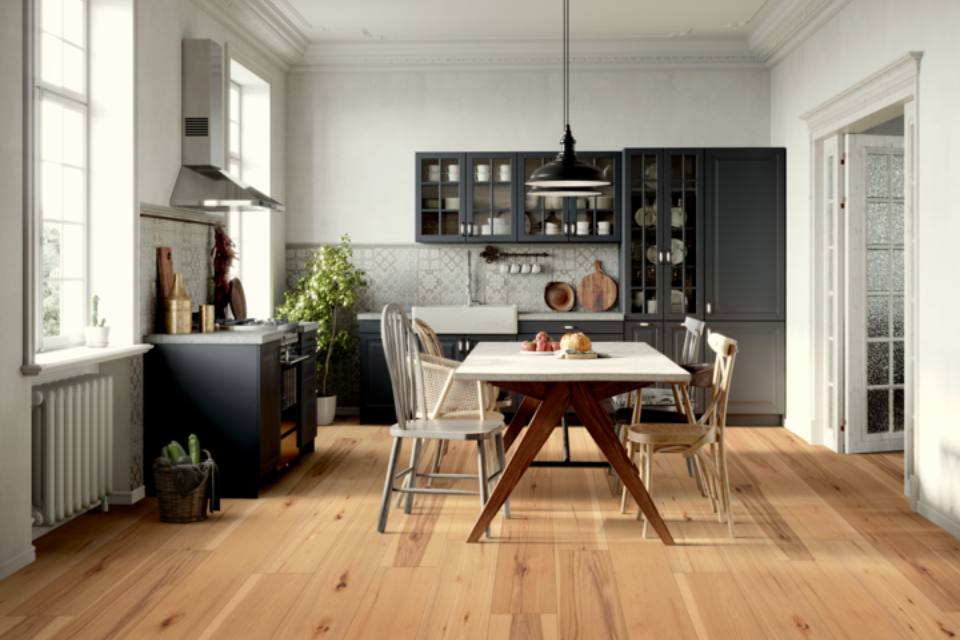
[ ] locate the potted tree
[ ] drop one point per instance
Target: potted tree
(330, 286)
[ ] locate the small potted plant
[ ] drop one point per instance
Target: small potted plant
(330, 286)
(97, 333)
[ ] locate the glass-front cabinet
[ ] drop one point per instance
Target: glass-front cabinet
(490, 211)
(662, 223)
(559, 219)
(483, 197)
(440, 194)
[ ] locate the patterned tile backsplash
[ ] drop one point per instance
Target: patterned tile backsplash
(190, 245)
(437, 274)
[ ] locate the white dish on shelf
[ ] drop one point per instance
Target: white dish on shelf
(451, 203)
(677, 217)
(678, 251)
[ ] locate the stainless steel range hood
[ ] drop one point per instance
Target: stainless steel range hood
(203, 183)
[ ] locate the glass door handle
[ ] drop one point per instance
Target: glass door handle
(669, 257)
(660, 257)
(709, 308)
(463, 228)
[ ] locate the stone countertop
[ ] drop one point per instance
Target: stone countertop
(263, 335)
(544, 316)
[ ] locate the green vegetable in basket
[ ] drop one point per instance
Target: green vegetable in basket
(177, 453)
(165, 453)
(193, 443)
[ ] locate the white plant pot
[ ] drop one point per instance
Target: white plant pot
(96, 336)
(326, 410)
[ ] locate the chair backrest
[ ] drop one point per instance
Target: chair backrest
(429, 341)
(726, 350)
(402, 354)
(691, 340)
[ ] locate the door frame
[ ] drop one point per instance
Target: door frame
(896, 85)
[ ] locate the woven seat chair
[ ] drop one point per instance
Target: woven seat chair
(415, 400)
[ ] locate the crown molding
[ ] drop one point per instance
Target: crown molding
(527, 54)
(789, 23)
(264, 25)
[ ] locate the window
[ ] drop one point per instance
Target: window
(61, 170)
(234, 163)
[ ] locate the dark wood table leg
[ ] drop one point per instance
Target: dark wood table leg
(554, 404)
(520, 419)
(597, 422)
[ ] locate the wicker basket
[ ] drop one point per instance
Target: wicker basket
(178, 507)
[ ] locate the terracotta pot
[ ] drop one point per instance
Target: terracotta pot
(326, 410)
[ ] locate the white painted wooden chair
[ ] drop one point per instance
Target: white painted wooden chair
(656, 397)
(701, 441)
(413, 408)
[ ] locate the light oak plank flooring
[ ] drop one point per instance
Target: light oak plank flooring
(827, 548)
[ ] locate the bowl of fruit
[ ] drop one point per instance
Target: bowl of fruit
(542, 344)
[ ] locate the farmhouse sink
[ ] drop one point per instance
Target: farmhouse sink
(477, 319)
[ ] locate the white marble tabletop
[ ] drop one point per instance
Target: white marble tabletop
(625, 362)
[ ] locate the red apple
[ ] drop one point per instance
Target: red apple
(528, 345)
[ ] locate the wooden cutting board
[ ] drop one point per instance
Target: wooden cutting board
(598, 291)
(165, 279)
(238, 300)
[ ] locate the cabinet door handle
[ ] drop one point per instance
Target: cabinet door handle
(709, 308)
(568, 327)
(669, 257)
(463, 228)
(660, 257)
(644, 324)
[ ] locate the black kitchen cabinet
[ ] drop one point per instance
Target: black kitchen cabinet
(482, 197)
(757, 396)
(229, 395)
(558, 219)
(662, 255)
(745, 234)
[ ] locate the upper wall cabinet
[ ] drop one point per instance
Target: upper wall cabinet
(745, 234)
(483, 197)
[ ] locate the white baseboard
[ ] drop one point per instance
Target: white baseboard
(128, 497)
(939, 518)
(17, 562)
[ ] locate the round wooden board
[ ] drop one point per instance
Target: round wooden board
(598, 291)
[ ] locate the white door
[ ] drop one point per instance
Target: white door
(833, 278)
(873, 326)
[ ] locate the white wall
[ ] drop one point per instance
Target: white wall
(351, 135)
(161, 25)
(15, 546)
(864, 37)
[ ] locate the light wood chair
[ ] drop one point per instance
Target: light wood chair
(700, 440)
(408, 374)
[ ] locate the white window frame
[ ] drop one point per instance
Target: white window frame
(235, 118)
(45, 91)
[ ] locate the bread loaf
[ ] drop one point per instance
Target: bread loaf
(576, 341)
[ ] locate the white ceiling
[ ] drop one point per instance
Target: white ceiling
(393, 20)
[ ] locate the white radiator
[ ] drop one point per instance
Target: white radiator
(72, 447)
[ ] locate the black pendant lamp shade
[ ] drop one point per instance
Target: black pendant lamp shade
(566, 175)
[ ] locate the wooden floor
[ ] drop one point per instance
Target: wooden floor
(827, 547)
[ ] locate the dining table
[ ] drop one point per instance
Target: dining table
(551, 385)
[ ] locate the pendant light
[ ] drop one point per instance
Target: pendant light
(566, 175)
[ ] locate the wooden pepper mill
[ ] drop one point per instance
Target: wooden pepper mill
(178, 308)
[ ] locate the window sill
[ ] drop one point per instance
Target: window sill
(79, 357)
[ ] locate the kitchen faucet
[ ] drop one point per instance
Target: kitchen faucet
(470, 300)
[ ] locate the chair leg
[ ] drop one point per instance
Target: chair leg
(388, 484)
(412, 478)
(482, 476)
(724, 479)
(502, 464)
(648, 482)
(623, 491)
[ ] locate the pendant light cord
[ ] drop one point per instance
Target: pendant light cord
(566, 63)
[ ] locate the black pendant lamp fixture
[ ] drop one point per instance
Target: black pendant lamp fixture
(566, 175)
